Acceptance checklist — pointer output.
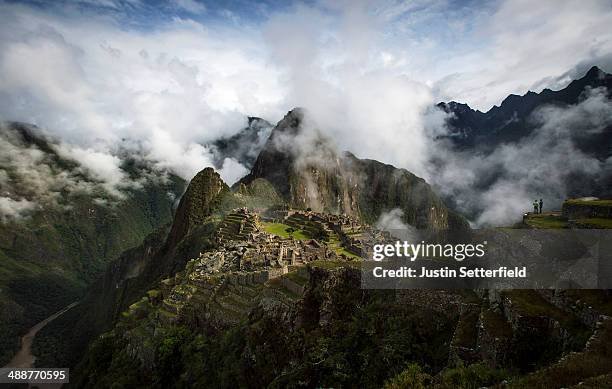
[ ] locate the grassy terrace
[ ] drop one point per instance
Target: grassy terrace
(334, 243)
(556, 221)
(530, 303)
(275, 284)
(546, 221)
(342, 250)
(591, 366)
(594, 223)
(597, 203)
(285, 231)
(297, 278)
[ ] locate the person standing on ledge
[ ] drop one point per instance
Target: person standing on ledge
(541, 202)
(535, 206)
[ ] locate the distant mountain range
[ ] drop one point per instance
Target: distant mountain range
(469, 129)
(474, 133)
(510, 121)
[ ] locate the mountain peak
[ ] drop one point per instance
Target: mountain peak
(201, 197)
(308, 172)
(510, 99)
(594, 73)
(291, 120)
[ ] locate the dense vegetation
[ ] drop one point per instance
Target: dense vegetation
(49, 259)
(367, 344)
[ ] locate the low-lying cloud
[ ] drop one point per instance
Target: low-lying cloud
(47, 172)
(497, 187)
(391, 221)
(15, 209)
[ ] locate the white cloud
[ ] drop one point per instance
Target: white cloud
(31, 177)
(391, 221)
(88, 82)
(15, 209)
(333, 71)
(102, 167)
(526, 45)
(232, 171)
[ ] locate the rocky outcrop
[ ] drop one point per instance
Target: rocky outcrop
(524, 329)
(567, 301)
(589, 368)
(494, 338)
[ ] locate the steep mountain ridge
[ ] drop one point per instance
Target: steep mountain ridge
(163, 253)
(308, 172)
(202, 196)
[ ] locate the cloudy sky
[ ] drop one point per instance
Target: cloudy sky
(172, 75)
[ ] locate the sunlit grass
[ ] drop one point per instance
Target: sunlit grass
(546, 221)
(594, 223)
(599, 203)
(284, 231)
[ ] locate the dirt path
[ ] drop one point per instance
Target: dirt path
(24, 357)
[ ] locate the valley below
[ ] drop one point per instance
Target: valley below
(24, 357)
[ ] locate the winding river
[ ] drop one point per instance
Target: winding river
(24, 357)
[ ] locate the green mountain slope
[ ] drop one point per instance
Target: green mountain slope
(162, 254)
(51, 254)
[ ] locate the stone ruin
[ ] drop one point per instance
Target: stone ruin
(244, 246)
(247, 258)
(240, 224)
(352, 235)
